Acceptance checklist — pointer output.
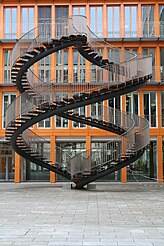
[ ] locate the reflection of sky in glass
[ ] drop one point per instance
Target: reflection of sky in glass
(96, 20)
(79, 11)
(10, 22)
(114, 21)
(27, 20)
(14, 16)
(130, 21)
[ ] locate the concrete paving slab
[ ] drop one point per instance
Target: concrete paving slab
(113, 214)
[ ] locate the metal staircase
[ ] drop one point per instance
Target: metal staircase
(119, 74)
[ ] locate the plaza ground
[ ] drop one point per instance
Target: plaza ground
(113, 214)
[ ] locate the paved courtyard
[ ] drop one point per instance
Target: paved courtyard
(52, 214)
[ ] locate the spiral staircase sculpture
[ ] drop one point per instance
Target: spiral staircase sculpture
(119, 74)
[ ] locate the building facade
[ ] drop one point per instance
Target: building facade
(134, 26)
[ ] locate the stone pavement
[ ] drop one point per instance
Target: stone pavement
(52, 214)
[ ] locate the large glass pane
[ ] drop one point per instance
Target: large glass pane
(7, 66)
(162, 108)
(161, 19)
(7, 161)
(145, 168)
(79, 11)
(61, 11)
(162, 64)
(151, 51)
(130, 21)
(98, 148)
(150, 108)
(8, 98)
(27, 21)
(35, 172)
(113, 21)
(148, 21)
(96, 20)
(66, 149)
(10, 23)
(132, 104)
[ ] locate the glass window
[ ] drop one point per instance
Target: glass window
(80, 111)
(45, 123)
(96, 20)
(10, 22)
(44, 14)
(44, 20)
(162, 64)
(162, 107)
(36, 172)
(145, 168)
(61, 11)
(148, 21)
(115, 103)
(7, 66)
(79, 11)
(44, 69)
(132, 104)
(113, 21)
(161, 19)
(130, 21)
(150, 108)
(62, 66)
(78, 67)
(66, 150)
(28, 21)
(8, 98)
(150, 51)
(61, 122)
(102, 150)
(97, 110)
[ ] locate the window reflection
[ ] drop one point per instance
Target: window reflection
(96, 20)
(10, 23)
(130, 21)
(113, 21)
(148, 21)
(150, 108)
(28, 21)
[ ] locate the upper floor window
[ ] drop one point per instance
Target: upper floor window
(61, 11)
(78, 67)
(150, 108)
(8, 98)
(113, 114)
(132, 103)
(61, 122)
(80, 111)
(7, 66)
(62, 66)
(148, 21)
(96, 20)
(130, 21)
(28, 21)
(44, 20)
(162, 63)
(97, 110)
(44, 69)
(161, 19)
(10, 23)
(79, 11)
(113, 15)
(162, 107)
(45, 123)
(150, 51)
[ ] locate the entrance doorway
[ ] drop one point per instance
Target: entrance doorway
(6, 163)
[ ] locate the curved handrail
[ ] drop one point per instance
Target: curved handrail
(133, 67)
